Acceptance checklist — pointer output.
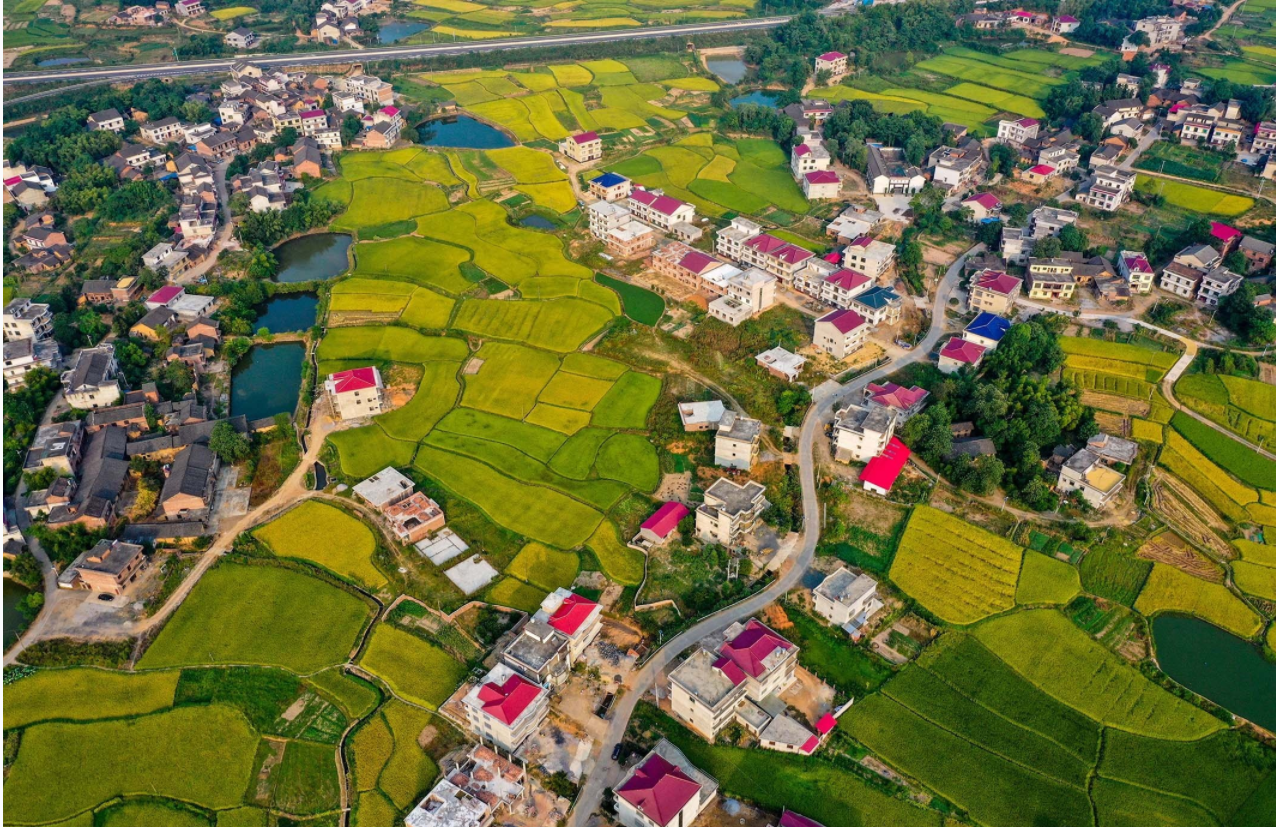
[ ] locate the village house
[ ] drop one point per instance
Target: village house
(736, 442)
(983, 207)
(809, 157)
(92, 382)
(1216, 283)
(1051, 279)
(862, 432)
(384, 488)
(821, 185)
(154, 325)
(890, 173)
(25, 319)
(1136, 270)
(242, 38)
(306, 158)
(661, 525)
(109, 567)
(701, 416)
(957, 168)
(554, 638)
(958, 353)
(663, 212)
(987, 330)
(505, 708)
(108, 119)
(869, 256)
(583, 147)
(611, 187)
(781, 363)
(840, 333)
(413, 518)
(188, 490)
(663, 790)
(1258, 253)
(355, 393)
(24, 355)
(906, 402)
(847, 600)
(1086, 472)
(1183, 275)
(1037, 175)
(189, 8)
(879, 305)
(1018, 132)
(1163, 32)
(994, 291)
(882, 471)
(837, 288)
(1264, 138)
(1107, 189)
(730, 511)
(835, 63)
(57, 446)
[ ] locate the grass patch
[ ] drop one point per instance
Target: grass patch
(631, 459)
(545, 567)
(828, 653)
(640, 304)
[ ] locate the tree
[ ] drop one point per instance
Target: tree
(1002, 158)
(1073, 238)
(1048, 247)
(1250, 323)
(175, 380)
(228, 444)
(351, 126)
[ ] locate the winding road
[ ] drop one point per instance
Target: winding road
(826, 398)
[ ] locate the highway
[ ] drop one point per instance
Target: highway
(196, 67)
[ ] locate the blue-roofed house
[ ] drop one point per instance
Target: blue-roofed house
(879, 305)
(987, 329)
(611, 187)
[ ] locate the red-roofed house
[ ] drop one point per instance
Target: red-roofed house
(710, 690)
(983, 206)
(662, 211)
(907, 401)
(837, 288)
(165, 296)
(792, 819)
(1015, 132)
(882, 470)
(663, 790)
(835, 63)
(958, 353)
(1135, 268)
(1227, 237)
(356, 392)
(549, 644)
(657, 528)
(841, 333)
(994, 291)
(582, 148)
(821, 184)
(505, 707)
(1038, 175)
(1065, 24)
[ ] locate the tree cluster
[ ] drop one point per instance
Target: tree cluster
(847, 129)
(23, 408)
(306, 211)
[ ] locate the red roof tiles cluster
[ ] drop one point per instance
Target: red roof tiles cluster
(896, 396)
(658, 789)
(665, 519)
(883, 469)
(663, 204)
(962, 350)
(572, 613)
(998, 282)
(749, 649)
(844, 320)
(355, 379)
(506, 701)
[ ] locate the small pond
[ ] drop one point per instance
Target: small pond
(758, 98)
(15, 622)
(61, 61)
(730, 69)
(392, 31)
(290, 313)
(315, 257)
(462, 132)
(1214, 663)
(267, 381)
(540, 222)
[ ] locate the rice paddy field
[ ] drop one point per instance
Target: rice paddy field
(1169, 589)
(1244, 406)
(328, 536)
(1195, 199)
(1119, 377)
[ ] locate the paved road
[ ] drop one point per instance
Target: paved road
(826, 399)
(1154, 135)
(194, 67)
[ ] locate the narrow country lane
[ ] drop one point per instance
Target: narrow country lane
(827, 397)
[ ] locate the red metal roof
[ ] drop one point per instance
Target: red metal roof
(1223, 232)
(792, 819)
(825, 725)
(823, 176)
(314, 113)
(506, 701)
(962, 350)
(662, 204)
(355, 379)
(1042, 169)
(801, 149)
(833, 257)
(862, 241)
(752, 646)
(585, 137)
(658, 789)
(792, 254)
(844, 320)
(666, 519)
(765, 243)
(390, 110)
(810, 745)
(984, 199)
(998, 282)
(831, 56)
(897, 396)
(698, 262)
(1067, 18)
(731, 669)
(1138, 264)
(166, 294)
(847, 279)
(1025, 122)
(572, 614)
(883, 469)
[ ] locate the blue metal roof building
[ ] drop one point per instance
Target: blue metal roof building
(609, 179)
(988, 326)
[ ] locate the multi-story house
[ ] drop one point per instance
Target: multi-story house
(1107, 189)
(958, 353)
(957, 168)
(1163, 32)
(663, 790)
(869, 256)
(57, 446)
(1016, 245)
(809, 157)
(25, 319)
(1216, 283)
(821, 185)
(861, 432)
(1051, 283)
(355, 393)
(109, 120)
(983, 207)
(1136, 270)
(92, 382)
(835, 63)
(840, 333)
(21, 356)
(1182, 276)
(505, 708)
(1228, 132)
(847, 600)
(837, 288)
(1258, 254)
(987, 329)
(1264, 138)
(664, 213)
(1086, 472)
(730, 511)
(906, 402)
(1197, 126)
(879, 305)
(890, 173)
(1113, 112)
(109, 567)
(555, 638)
(1018, 132)
(582, 148)
(993, 291)
(1050, 221)
(737, 440)
(611, 187)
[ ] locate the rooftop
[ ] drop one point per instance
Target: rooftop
(504, 694)
(884, 469)
(609, 179)
(666, 518)
(843, 587)
(895, 396)
(756, 650)
(844, 320)
(355, 379)
(697, 413)
(734, 498)
(383, 487)
(962, 350)
(701, 676)
(739, 427)
(989, 326)
(660, 786)
(568, 611)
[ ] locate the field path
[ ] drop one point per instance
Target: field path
(826, 399)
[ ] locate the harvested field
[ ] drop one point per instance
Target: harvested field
(1171, 549)
(1116, 404)
(1188, 513)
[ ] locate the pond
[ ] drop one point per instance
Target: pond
(730, 69)
(758, 98)
(267, 381)
(395, 30)
(540, 222)
(315, 257)
(1214, 663)
(463, 132)
(15, 622)
(61, 61)
(289, 313)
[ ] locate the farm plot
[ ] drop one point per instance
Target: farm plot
(1169, 589)
(416, 670)
(1241, 462)
(1195, 199)
(972, 67)
(326, 535)
(85, 695)
(1045, 648)
(1006, 101)
(1159, 360)
(203, 755)
(390, 767)
(420, 261)
(620, 562)
(535, 172)
(1046, 580)
(378, 201)
(536, 442)
(958, 571)
(365, 451)
(544, 567)
(561, 325)
(260, 614)
(628, 403)
(509, 380)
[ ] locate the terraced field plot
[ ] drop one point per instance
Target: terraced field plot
(957, 571)
(414, 669)
(749, 175)
(1195, 199)
(326, 535)
(1119, 377)
(1169, 589)
(492, 19)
